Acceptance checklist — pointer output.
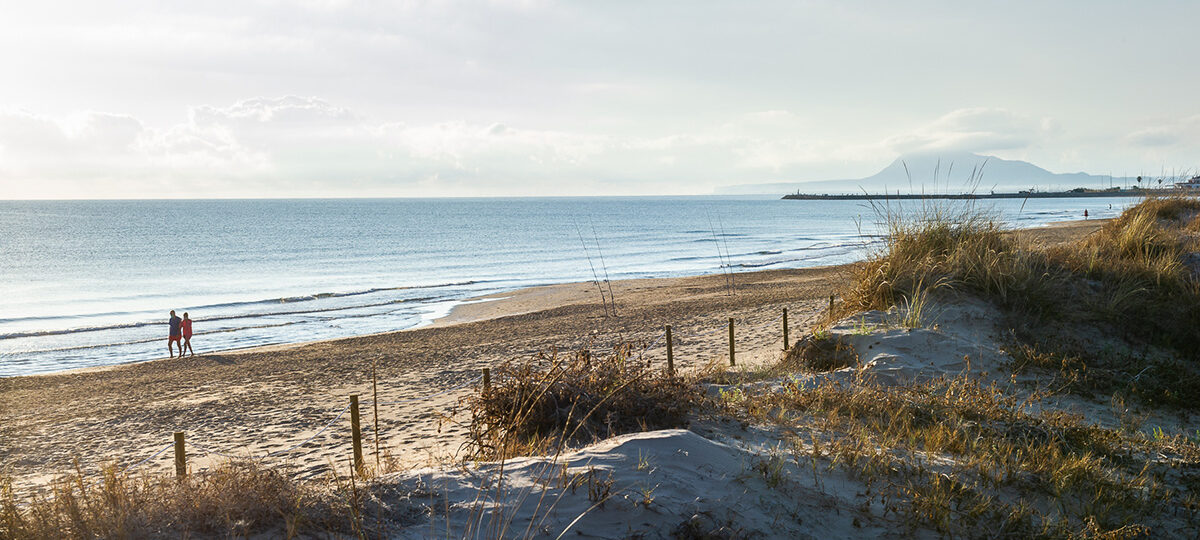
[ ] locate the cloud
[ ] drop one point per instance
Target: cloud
(306, 146)
(1184, 131)
(310, 147)
(974, 130)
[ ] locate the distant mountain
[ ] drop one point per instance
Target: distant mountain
(947, 172)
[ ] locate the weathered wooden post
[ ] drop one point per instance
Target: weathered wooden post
(785, 329)
(731, 361)
(356, 435)
(670, 353)
(831, 307)
(180, 456)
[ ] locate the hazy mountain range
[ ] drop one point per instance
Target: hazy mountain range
(946, 172)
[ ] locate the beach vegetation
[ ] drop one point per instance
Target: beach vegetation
(820, 353)
(537, 404)
(234, 499)
(965, 459)
(1110, 316)
(1117, 310)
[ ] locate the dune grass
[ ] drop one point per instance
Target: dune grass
(1116, 311)
(946, 246)
(537, 405)
(235, 499)
(966, 460)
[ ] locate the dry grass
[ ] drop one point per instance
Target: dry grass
(818, 353)
(543, 403)
(1131, 274)
(943, 247)
(232, 500)
(1128, 281)
(967, 460)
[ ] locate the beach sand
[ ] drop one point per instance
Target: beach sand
(255, 402)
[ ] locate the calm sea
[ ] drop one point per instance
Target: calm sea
(89, 283)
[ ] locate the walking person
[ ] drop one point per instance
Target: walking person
(185, 326)
(175, 335)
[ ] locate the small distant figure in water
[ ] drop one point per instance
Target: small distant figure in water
(1110, 207)
(175, 335)
(1084, 213)
(186, 326)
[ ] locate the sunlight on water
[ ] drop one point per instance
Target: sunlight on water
(89, 283)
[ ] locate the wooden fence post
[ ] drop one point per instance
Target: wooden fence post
(356, 435)
(731, 361)
(487, 381)
(670, 353)
(831, 307)
(785, 329)
(180, 456)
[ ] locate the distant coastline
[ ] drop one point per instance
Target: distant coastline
(1075, 193)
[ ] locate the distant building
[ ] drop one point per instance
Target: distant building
(1193, 184)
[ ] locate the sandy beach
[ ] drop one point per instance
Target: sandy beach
(278, 399)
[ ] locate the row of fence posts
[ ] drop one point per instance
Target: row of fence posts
(355, 428)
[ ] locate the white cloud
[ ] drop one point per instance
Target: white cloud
(1180, 132)
(307, 146)
(539, 97)
(979, 129)
(303, 146)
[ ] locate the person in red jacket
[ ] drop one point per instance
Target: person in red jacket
(186, 327)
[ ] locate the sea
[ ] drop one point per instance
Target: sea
(90, 283)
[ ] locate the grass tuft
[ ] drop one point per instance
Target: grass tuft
(555, 399)
(820, 353)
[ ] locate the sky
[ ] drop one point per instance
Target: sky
(527, 98)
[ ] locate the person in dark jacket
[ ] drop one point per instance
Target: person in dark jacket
(175, 335)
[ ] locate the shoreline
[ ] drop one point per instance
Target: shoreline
(507, 302)
(258, 402)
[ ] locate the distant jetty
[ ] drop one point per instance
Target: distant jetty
(1074, 193)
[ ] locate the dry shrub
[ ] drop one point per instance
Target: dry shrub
(820, 353)
(557, 399)
(236, 499)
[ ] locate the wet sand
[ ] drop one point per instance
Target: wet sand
(254, 402)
